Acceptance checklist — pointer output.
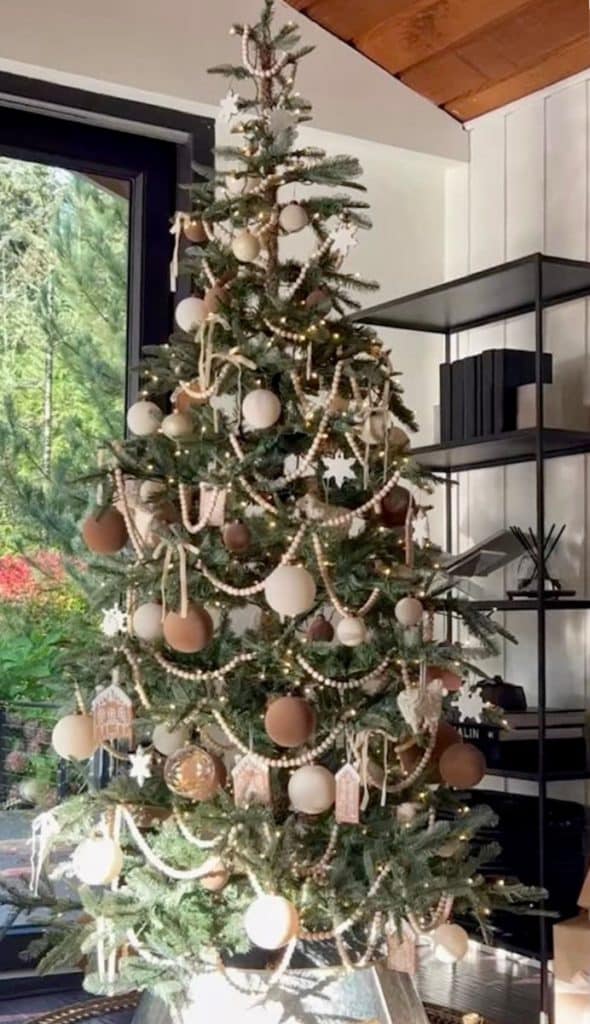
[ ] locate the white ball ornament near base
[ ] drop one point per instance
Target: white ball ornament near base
(168, 741)
(144, 418)
(351, 631)
(261, 409)
(245, 246)
(73, 737)
(312, 789)
(293, 217)
(451, 943)
(409, 612)
(177, 424)
(290, 590)
(147, 621)
(97, 861)
(190, 313)
(271, 922)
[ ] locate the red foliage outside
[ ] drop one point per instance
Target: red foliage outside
(21, 580)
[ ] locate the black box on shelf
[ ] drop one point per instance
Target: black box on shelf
(516, 748)
(446, 403)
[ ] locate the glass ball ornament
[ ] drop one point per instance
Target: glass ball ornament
(245, 246)
(190, 313)
(450, 942)
(312, 789)
(351, 631)
(290, 590)
(73, 737)
(194, 773)
(409, 612)
(177, 424)
(168, 741)
(271, 922)
(97, 861)
(147, 621)
(261, 409)
(293, 217)
(144, 418)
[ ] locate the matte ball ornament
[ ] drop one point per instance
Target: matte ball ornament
(194, 773)
(184, 402)
(168, 741)
(194, 231)
(73, 737)
(320, 630)
(271, 922)
(289, 721)
(190, 313)
(144, 418)
(412, 753)
(245, 246)
(147, 621)
(462, 766)
(319, 300)
(409, 612)
(351, 631)
(177, 424)
(399, 439)
(236, 537)
(450, 680)
(188, 633)
(104, 531)
(290, 590)
(293, 217)
(261, 408)
(97, 861)
(394, 506)
(312, 789)
(451, 943)
(217, 875)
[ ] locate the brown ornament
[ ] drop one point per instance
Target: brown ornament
(104, 532)
(236, 537)
(190, 633)
(194, 773)
(185, 402)
(411, 753)
(194, 230)
(319, 300)
(214, 297)
(462, 765)
(289, 721)
(394, 506)
(450, 680)
(320, 630)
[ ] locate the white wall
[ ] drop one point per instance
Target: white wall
(526, 189)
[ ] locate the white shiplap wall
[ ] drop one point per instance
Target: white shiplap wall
(526, 189)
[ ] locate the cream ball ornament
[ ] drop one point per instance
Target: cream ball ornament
(312, 789)
(190, 313)
(168, 741)
(97, 861)
(351, 631)
(271, 922)
(293, 217)
(177, 424)
(245, 246)
(261, 409)
(451, 943)
(409, 612)
(290, 590)
(217, 875)
(144, 418)
(147, 621)
(73, 737)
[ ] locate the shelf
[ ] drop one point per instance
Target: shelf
(571, 776)
(524, 604)
(501, 449)
(497, 293)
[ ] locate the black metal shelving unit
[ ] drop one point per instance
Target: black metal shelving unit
(528, 285)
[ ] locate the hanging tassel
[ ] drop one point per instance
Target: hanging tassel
(180, 219)
(183, 581)
(308, 362)
(43, 829)
(385, 767)
(165, 570)
(409, 539)
(386, 422)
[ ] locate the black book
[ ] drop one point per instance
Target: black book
(478, 404)
(512, 368)
(486, 394)
(446, 399)
(469, 398)
(457, 400)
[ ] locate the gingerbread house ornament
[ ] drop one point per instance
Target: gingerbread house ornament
(251, 778)
(348, 795)
(112, 710)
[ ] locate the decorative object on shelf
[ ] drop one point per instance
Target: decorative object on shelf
(554, 414)
(504, 695)
(495, 552)
(515, 747)
(528, 568)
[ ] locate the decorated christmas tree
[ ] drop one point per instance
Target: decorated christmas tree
(275, 692)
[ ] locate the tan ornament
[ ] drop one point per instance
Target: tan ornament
(348, 795)
(251, 779)
(113, 715)
(194, 773)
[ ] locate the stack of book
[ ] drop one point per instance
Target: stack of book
(478, 394)
(516, 748)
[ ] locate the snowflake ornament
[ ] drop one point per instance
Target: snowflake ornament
(420, 529)
(141, 769)
(338, 468)
(344, 239)
(228, 108)
(469, 703)
(114, 621)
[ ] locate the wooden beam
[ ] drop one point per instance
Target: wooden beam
(349, 19)
(444, 77)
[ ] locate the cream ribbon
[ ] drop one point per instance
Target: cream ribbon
(180, 219)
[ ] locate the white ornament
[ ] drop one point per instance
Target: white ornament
(245, 246)
(420, 529)
(190, 313)
(450, 942)
(421, 708)
(271, 922)
(351, 631)
(228, 108)
(140, 769)
(409, 612)
(290, 590)
(293, 217)
(144, 418)
(406, 813)
(114, 621)
(261, 409)
(168, 741)
(338, 468)
(357, 526)
(235, 184)
(73, 737)
(97, 861)
(281, 120)
(312, 789)
(177, 424)
(147, 621)
(469, 703)
(344, 239)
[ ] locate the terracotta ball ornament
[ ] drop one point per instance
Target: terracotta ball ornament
(217, 875)
(289, 721)
(320, 630)
(190, 633)
(194, 773)
(462, 765)
(194, 230)
(236, 537)
(104, 531)
(394, 506)
(446, 736)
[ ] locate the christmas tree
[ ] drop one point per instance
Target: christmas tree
(284, 774)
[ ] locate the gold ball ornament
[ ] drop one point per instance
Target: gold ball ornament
(97, 861)
(462, 766)
(261, 409)
(73, 737)
(245, 246)
(293, 217)
(351, 631)
(147, 621)
(312, 789)
(289, 721)
(168, 741)
(188, 633)
(194, 773)
(104, 531)
(409, 612)
(144, 418)
(290, 590)
(451, 943)
(194, 231)
(320, 630)
(236, 537)
(177, 424)
(271, 922)
(190, 313)
(217, 875)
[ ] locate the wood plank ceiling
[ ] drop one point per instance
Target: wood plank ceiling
(467, 56)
